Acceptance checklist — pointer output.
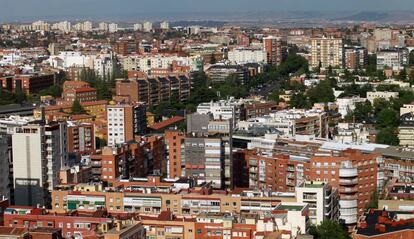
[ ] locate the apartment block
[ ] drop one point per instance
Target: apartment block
(394, 59)
(125, 121)
(355, 57)
(386, 95)
(153, 91)
(281, 173)
(84, 94)
(81, 138)
(273, 48)
(322, 200)
(406, 130)
(29, 84)
(326, 51)
(39, 152)
(355, 175)
(221, 73)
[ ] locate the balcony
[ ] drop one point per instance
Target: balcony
(290, 169)
(349, 219)
(349, 197)
(348, 172)
(348, 190)
(348, 203)
(290, 175)
(348, 182)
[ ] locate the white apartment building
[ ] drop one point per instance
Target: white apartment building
(113, 27)
(387, 95)
(104, 65)
(137, 27)
(165, 25)
(147, 26)
(83, 26)
(67, 59)
(103, 26)
(352, 133)
(322, 200)
(148, 62)
(241, 56)
(224, 110)
(290, 123)
(116, 124)
(39, 152)
(295, 220)
(407, 108)
(64, 26)
(40, 26)
(347, 104)
(395, 59)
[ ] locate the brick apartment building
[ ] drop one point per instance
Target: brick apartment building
(125, 47)
(133, 159)
(153, 91)
(43, 224)
(29, 84)
(81, 138)
(355, 175)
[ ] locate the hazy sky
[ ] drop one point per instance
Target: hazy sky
(21, 9)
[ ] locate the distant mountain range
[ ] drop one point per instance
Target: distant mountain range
(252, 17)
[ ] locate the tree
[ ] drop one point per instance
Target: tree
(212, 59)
(328, 229)
(403, 75)
(77, 108)
(322, 93)
(387, 118)
(362, 111)
(373, 203)
(411, 58)
(387, 136)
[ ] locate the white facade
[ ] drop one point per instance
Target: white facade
(407, 108)
(83, 26)
(137, 27)
(320, 198)
(345, 105)
(241, 56)
(40, 26)
(352, 133)
(39, 152)
(103, 65)
(394, 59)
(147, 63)
(64, 26)
(116, 124)
(147, 26)
(103, 26)
(67, 59)
(165, 25)
(387, 95)
(291, 123)
(221, 110)
(113, 27)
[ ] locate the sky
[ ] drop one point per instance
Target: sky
(26, 9)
